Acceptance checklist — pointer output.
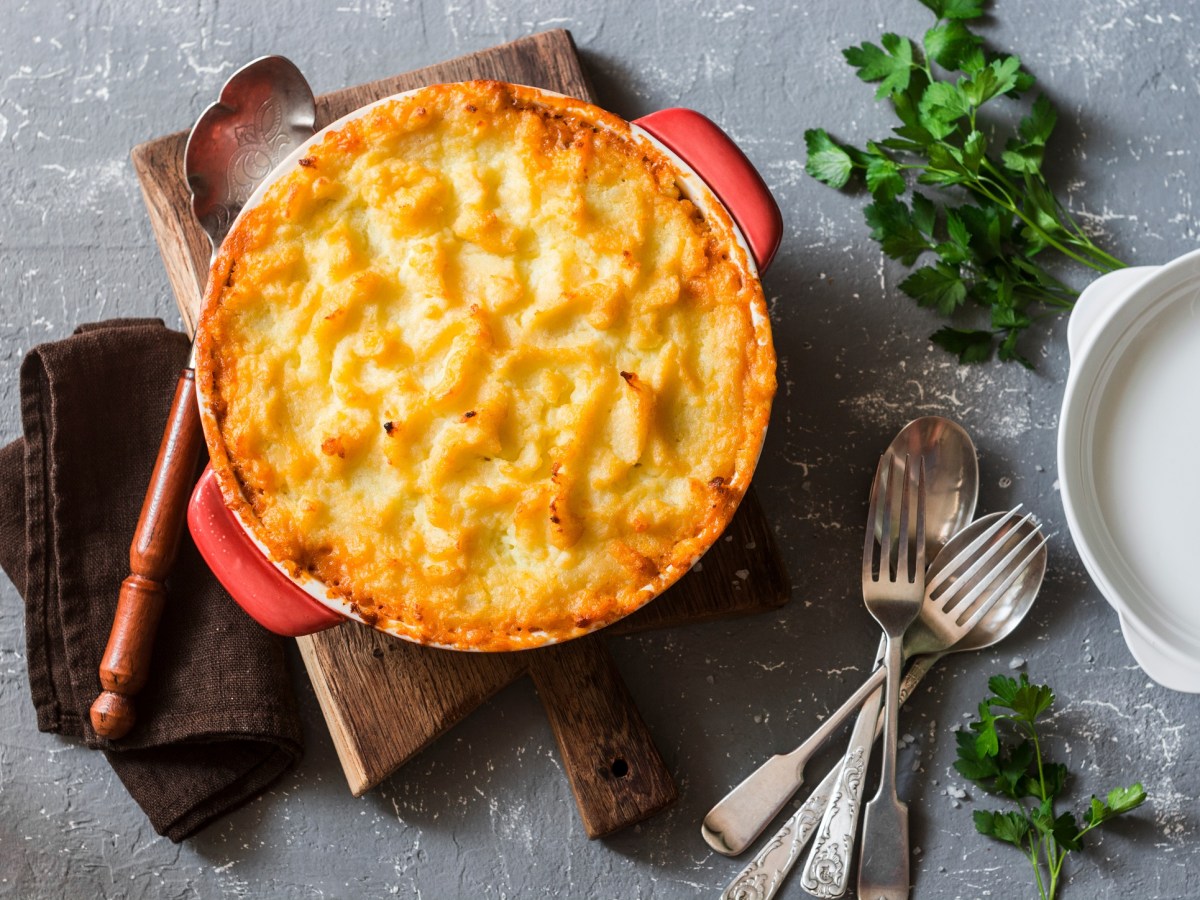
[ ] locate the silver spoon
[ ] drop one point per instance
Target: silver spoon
(951, 490)
(762, 878)
(951, 472)
(265, 110)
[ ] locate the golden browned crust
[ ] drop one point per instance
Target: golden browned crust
(478, 367)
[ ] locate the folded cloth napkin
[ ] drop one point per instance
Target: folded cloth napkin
(217, 721)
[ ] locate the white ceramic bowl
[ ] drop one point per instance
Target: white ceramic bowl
(1127, 458)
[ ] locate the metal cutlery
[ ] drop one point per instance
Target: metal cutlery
(1003, 593)
(733, 824)
(892, 591)
(265, 110)
(1002, 551)
(952, 483)
(763, 876)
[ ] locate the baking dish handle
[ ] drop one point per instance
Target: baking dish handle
(1098, 299)
(269, 596)
(700, 143)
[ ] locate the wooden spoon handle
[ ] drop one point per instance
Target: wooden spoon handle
(126, 662)
(616, 772)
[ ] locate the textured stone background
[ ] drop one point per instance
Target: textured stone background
(486, 812)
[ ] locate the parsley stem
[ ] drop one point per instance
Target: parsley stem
(1035, 862)
(1064, 216)
(1008, 203)
(1106, 262)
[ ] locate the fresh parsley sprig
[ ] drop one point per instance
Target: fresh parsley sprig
(1002, 753)
(988, 250)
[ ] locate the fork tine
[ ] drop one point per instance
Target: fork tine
(919, 531)
(904, 529)
(955, 566)
(886, 516)
(956, 608)
(982, 609)
(878, 489)
(986, 561)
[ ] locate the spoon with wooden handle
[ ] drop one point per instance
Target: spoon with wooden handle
(265, 110)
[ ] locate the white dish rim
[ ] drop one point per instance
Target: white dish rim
(1133, 304)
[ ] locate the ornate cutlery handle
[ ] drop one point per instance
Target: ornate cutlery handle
(762, 878)
(732, 825)
(827, 871)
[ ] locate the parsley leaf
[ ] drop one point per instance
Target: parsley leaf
(1027, 701)
(892, 225)
(956, 9)
(1010, 827)
(1036, 127)
(1002, 752)
(891, 66)
(999, 77)
(1024, 156)
(940, 286)
(949, 44)
(968, 346)
(973, 151)
(941, 107)
(1119, 800)
(971, 763)
(827, 162)
(989, 250)
(884, 180)
(924, 214)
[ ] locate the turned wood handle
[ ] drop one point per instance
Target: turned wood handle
(126, 662)
(616, 772)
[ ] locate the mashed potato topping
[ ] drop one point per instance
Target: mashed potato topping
(478, 367)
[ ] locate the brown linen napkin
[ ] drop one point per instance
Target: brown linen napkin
(217, 721)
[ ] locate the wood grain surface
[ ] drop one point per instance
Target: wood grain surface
(385, 700)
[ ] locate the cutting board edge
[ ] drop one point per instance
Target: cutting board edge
(339, 730)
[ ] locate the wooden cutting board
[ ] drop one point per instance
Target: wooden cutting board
(385, 699)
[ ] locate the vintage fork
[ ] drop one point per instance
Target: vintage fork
(892, 590)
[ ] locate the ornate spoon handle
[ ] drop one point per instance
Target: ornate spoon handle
(827, 872)
(741, 816)
(762, 878)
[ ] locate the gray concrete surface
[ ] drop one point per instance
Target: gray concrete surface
(486, 812)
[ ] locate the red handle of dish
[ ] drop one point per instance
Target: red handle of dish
(700, 143)
(269, 596)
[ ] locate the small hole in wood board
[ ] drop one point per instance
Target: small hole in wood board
(619, 768)
(377, 652)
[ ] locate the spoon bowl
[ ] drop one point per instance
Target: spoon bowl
(266, 110)
(951, 472)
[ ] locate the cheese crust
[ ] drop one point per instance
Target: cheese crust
(478, 367)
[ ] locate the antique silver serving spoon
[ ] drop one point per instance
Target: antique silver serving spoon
(265, 110)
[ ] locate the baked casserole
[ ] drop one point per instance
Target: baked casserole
(478, 366)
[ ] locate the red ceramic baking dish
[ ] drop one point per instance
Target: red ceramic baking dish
(713, 173)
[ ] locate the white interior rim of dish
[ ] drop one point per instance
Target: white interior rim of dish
(1129, 491)
(693, 187)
